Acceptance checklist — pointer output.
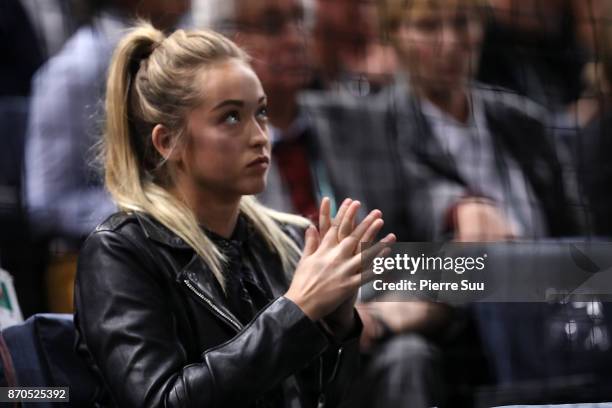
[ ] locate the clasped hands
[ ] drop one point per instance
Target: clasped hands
(328, 276)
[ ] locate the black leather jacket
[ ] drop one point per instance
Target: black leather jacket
(154, 325)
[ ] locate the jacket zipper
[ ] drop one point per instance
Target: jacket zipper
(209, 302)
(322, 387)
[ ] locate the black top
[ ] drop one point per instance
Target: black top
(247, 291)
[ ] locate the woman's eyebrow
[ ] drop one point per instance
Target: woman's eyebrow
(233, 102)
(236, 102)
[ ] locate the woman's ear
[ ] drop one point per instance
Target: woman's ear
(163, 142)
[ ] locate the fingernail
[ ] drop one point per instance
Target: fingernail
(388, 238)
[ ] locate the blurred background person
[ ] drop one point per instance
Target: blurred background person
(452, 157)
(548, 51)
(30, 32)
(54, 21)
(349, 51)
(534, 48)
(475, 149)
(583, 127)
(592, 144)
(65, 197)
(446, 157)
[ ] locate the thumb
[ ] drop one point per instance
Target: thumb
(311, 241)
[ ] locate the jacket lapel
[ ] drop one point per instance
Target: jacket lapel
(200, 280)
(196, 275)
(414, 136)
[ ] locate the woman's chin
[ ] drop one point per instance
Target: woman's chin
(255, 187)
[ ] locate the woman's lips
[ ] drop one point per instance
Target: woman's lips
(261, 162)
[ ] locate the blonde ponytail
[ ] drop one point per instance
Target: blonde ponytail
(151, 81)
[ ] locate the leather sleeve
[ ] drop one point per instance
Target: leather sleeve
(128, 332)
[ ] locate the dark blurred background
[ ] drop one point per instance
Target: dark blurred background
(460, 119)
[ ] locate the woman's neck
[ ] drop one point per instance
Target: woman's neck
(220, 218)
(212, 211)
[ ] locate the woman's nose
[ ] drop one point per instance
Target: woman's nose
(259, 133)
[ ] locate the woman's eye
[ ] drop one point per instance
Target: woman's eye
(231, 118)
(262, 113)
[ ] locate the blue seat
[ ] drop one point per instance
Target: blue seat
(40, 353)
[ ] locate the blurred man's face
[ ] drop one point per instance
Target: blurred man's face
(347, 20)
(164, 14)
(438, 43)
(273, 33)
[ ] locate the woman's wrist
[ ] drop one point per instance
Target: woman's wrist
(304, 306)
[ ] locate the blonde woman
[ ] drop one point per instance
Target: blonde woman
(194, 294)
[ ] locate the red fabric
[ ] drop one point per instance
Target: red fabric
(293, 162)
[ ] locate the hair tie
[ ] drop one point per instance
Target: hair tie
(142, 54)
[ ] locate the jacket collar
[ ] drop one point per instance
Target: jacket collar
(243, 232)
(198, 274)
(156, 231)
(414, 134)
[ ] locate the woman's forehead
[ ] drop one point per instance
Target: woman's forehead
(229, 79)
